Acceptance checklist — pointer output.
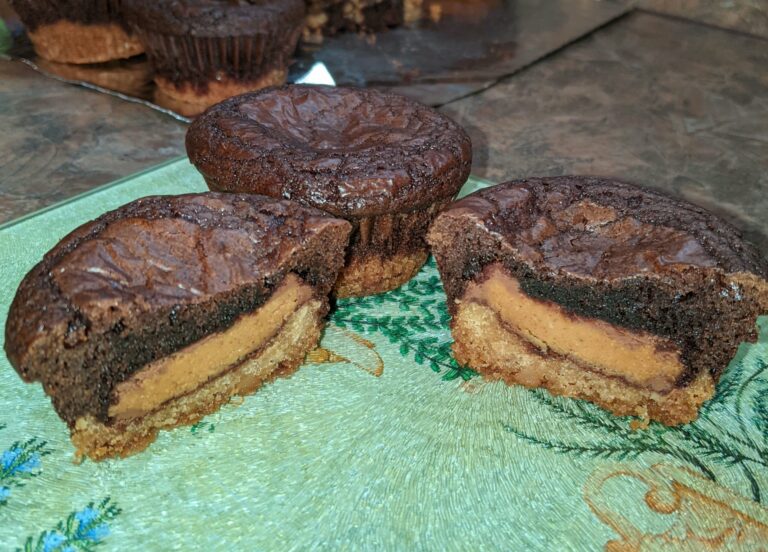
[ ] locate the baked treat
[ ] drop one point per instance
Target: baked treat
(155, 314)
(204, 51)
(384, 162)
(132, 77)
(329, 17)
(77, 31)
(599, 290)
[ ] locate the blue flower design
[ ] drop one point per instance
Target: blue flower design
(88, 527)
(19, 462)
(97, 533)
(82, 530)
(15, 461)
(52, 541)
(86, 516)
(9, 457)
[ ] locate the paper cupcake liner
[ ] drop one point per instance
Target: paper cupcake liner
(196, 60)
(393, 233)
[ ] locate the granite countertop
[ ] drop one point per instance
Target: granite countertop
(667, 94)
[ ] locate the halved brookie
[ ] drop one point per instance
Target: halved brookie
(157, 313)
(600, 290)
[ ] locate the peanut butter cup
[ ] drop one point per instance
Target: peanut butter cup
(155, 314)
(203, 51)
(384, 162)
(599, 290)
(78, 31)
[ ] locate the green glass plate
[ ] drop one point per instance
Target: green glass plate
(380, 442)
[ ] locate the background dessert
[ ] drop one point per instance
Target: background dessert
(78, 31)
(382, 161)
(599, 290)
(328, 17)
(203, 51)
(155, 314)
(133, 77)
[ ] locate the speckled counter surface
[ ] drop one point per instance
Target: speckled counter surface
(59, 140)
(654, 100)
(747, 16)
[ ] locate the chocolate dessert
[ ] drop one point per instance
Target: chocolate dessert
(204, 51)
(329, 17)
(385, 163)
(78, 31)
(599, 290)
(157, 313)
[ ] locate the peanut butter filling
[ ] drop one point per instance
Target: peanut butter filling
(191, 367)
(637, 357)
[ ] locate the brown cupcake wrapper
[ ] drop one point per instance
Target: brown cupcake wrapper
(196, 60)
(385, 251)
(391, 234)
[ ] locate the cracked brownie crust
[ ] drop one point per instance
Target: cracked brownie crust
(384, 162)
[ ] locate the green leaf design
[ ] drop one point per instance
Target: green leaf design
(6, 40)
(420, 328)
(201, 427)
(703, 444)
(760, 407)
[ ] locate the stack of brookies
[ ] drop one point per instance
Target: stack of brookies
(599, 290)
(155, 314)
(78, 31)
(385, 163)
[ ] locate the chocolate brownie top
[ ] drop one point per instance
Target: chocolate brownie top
(214, 18)
(351, 152)
(157, 253)
(34, 13)
(595, 228)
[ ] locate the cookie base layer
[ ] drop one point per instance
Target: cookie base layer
(484, 344)
(280, 357)
(68, 42)
(374, 274)
(188, 100)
